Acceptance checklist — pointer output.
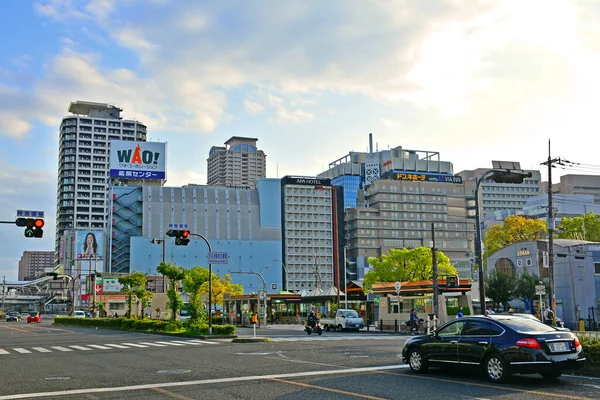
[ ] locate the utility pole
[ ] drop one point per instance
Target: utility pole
(551, 294)
(3, 292)
(435, 272)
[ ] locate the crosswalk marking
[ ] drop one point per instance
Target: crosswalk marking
(334, 338)
(97, 346)
(21, 350)
(42, 350)
(171, 343)
(154, 344)
(134, 345)
(80, 348)
(107, 346)
(117, 346)
(60, 348)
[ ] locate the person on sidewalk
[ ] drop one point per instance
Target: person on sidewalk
(460, 314)
(414, 321)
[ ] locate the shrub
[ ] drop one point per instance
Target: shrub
(591, 349)
(454, 310)
(223, 330)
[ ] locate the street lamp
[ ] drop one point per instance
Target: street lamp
(264, 289)
(498, 175)
(286, 274)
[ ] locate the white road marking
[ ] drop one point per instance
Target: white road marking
(60, 348)
(186, 342)
(97, 346)
(4, 351)
(21, 350)
(80, 348)
(154, 344)
(134, 345)
(200, 382)
(202, 341)
(42, 350)
(117, 346)
(171, 343)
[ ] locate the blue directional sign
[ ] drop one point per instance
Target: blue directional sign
(218, 258)
(30, 214)
(178, 226)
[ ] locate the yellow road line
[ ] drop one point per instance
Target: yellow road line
(175, 395)
(17, 329)
(364, 396)
(562, 396)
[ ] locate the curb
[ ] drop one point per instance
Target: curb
(171, 334)
(251, 340)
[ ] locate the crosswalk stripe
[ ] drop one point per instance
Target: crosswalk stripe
(21, 350)
(60, 348)
(80, 348)
(117, 346)
(186, 342)
(134, 345)
(42, 350)
(171, 343)
(202, 341)
(154, 344)
(97, 346)
(4, 351)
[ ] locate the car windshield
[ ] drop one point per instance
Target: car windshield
(351, 314)
(33, 314)
(526, 325)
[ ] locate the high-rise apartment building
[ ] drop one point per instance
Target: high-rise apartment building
(83, 165)
(34, 263)
(238, 164)
(312, 216)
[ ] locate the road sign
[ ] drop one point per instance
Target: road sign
(179, 226)
(540, 290)
(273, 286)
(30, 214)
(397, 286)
(218, 258)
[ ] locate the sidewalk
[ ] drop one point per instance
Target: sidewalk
(299, 327)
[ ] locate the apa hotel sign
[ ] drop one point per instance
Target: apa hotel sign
(305, 180)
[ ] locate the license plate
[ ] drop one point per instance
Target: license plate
(558, 347)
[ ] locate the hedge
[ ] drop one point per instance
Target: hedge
(146, 325)
(591, 349)
(453, 310)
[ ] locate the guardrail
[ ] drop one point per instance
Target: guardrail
(590, 334)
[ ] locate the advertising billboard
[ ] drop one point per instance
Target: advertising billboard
(137, 160)
(89, 244)
(112, 285)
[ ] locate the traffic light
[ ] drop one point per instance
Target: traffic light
(452, 281)
(33, 226)
(182, 237)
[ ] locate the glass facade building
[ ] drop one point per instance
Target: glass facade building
(352, 184)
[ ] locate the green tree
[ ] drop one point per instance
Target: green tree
(586, 227)
(131, 283)
(222, 286)
(144, 298)
(500, 288)
(405, 265)
(525, 286)
(192, 284)
(174, 274)
(514, 229)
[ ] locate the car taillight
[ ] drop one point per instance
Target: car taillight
(577, 344)
(529, 342)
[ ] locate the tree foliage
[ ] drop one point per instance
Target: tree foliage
(500, 288)
(525, 286)
(222, 286)
(192, 284)
(132, 283)
(405, 265)
(174, 274)
(514, 229)
(144, 298)
(586, 227)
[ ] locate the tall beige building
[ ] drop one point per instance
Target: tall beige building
(238, 164)
(34, 263)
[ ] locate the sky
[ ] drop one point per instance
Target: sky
(474, 80)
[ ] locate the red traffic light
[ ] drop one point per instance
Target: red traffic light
(39, 223)
(185, 234)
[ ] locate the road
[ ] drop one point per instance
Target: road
(43, 361)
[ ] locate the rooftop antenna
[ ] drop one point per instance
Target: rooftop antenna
(370, 143)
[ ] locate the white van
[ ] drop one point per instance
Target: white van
(79, 314)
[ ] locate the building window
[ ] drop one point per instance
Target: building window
(597, 268)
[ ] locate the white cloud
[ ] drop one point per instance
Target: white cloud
(297, 116)
(252, 107)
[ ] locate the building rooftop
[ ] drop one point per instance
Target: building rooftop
(84, 107)
(241, 138)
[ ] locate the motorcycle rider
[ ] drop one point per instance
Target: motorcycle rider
(312, 320)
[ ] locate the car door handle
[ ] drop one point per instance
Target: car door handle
(483, 342)
(454, 341)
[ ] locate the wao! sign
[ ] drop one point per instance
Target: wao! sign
(137, 160)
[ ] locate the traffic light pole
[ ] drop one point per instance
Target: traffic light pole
(435, 272)
(209, 283)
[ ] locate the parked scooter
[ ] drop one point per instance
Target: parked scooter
(318, 328)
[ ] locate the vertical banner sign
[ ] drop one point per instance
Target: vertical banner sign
(137, 160)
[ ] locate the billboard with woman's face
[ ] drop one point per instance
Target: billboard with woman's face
(89, 244)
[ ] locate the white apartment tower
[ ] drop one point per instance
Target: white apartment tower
(238, 164)
(83, 164)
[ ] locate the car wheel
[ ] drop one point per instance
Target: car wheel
(551, 375)
(416, 361)
(340, 328)
(496, 369)
(327, 328)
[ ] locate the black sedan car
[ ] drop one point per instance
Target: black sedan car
(500, 345)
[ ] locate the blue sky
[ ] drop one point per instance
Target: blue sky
(475, 81)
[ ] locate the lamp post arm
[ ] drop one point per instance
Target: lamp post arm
(264, 289)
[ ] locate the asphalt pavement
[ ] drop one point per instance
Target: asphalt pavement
(44, 361)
